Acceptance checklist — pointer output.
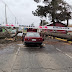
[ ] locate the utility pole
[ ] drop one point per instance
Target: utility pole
(17, 23)
(6, 19)
(15, 20)
(5, 15)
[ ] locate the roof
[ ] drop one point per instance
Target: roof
(57, 22)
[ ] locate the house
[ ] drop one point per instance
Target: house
(70, 32)
(59, 25)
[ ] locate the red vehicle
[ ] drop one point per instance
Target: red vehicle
(33, 38)
(31, 30)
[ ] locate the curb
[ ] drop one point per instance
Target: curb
(65, 40)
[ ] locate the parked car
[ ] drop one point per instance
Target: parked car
(33, 38)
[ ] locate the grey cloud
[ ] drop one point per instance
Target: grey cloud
(23, 11)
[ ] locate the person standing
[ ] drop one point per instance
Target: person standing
(23, 35)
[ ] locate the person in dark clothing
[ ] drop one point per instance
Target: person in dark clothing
(23, 37)
(41, 34)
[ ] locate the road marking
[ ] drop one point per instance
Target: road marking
(64, 53)
(14, 58)
(68, 56)
(61, 39)
(18, 51)
(58, 49)
(20, 44)
(70, 42)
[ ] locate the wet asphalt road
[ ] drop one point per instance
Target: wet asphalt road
(56, 57)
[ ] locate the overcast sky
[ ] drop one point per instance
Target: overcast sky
(22, 9)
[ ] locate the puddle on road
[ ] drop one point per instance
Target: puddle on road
(8, 49)
(20, 44)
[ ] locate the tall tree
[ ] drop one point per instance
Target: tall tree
(36, 1)
(43, 22)
(58, 11)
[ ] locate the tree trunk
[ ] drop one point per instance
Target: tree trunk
(67, 25)
(67, 22)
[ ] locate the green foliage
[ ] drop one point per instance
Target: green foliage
(56, 10)
(36, 1)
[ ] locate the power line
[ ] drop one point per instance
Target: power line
(11, 11)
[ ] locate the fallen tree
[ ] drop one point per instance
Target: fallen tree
(7, 34)
(63, 36)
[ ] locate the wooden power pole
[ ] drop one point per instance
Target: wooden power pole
(5, 15)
